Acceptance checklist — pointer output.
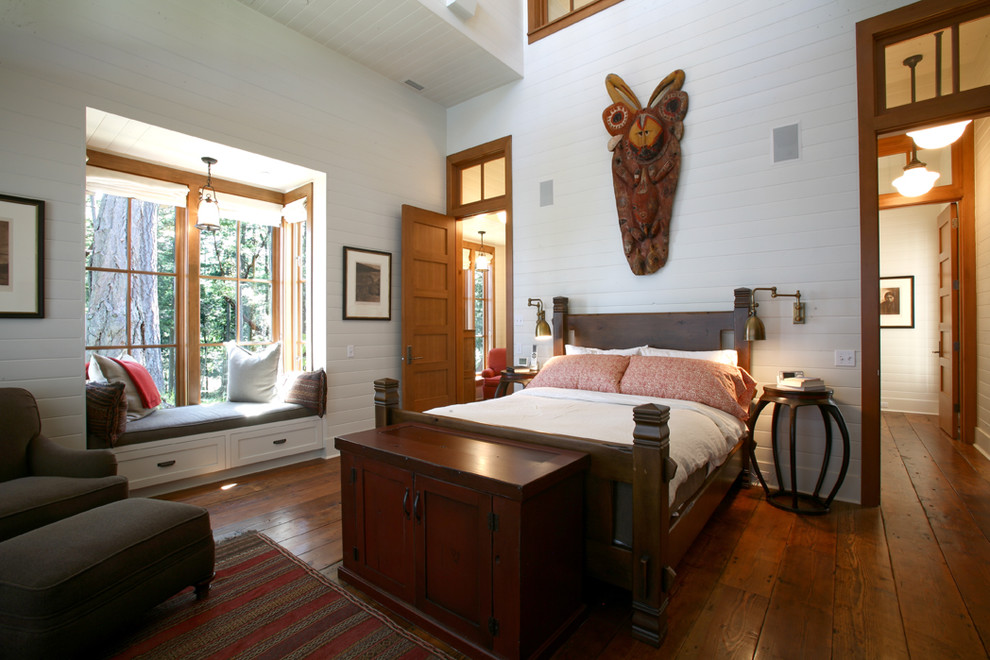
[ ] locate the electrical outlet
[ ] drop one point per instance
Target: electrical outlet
(350, 350)
(845, 358)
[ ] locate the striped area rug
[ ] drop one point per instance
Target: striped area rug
(266, 603)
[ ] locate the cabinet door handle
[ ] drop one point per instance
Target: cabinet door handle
(279, 442)
(165, 464)
(416, 507)
(405, 499)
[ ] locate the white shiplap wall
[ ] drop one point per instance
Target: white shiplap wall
(982, 179)
(908, 368)
(219, 71)
(739, 219)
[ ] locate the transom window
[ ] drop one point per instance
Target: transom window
(549, 16)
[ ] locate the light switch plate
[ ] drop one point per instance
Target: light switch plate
(844, 358)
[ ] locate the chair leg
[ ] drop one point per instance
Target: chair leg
(203, 588)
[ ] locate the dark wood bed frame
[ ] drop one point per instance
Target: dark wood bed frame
(642, 470)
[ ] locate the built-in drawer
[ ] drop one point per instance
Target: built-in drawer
(275, 440)
(171, 460)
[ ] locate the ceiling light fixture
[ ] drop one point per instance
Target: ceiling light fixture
(208, 213)
(916, 180)
(482, 259)
(938, 137)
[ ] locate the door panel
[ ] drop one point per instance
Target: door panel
(948, 320)
(429, 309)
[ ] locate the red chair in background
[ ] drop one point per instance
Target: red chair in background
(493, 372)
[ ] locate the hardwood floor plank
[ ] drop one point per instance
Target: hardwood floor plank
(936, 622)
(728, 626)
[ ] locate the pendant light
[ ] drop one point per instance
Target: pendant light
(208, 214)
(938, 137)
(916, 180)
(482, 259)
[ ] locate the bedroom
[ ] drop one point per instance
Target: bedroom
(189, 67)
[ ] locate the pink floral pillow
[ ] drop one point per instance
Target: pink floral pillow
(595, 373)
(717, 385)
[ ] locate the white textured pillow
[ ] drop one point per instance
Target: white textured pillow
(570, 349)
(725, 356)
(104, 370)
(252, 376)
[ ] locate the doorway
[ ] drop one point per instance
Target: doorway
(955, 85)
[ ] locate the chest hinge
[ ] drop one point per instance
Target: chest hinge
(492, 521)
(493, 626)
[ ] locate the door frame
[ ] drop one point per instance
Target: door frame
(874, 122)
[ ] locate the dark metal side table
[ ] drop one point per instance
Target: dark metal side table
(790, 499)
(511, 377)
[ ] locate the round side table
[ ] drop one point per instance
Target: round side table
(790, 499)
(510, 377)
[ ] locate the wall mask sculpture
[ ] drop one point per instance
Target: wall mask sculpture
(646, 162)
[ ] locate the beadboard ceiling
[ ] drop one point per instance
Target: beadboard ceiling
(400, 39)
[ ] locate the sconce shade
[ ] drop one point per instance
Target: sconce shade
(543, 330)
(755, 330)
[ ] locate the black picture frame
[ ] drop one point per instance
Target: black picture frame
(897, 302)
(22, 257)
(367, 285)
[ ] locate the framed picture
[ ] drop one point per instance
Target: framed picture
(22, 257)
(367, 284)
(897, 302)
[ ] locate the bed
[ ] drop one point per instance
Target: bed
(634, 533)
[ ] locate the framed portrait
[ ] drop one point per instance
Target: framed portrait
(897, 302)
(367, 284)
(22, 257)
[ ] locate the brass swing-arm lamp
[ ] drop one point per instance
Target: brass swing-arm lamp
(755, 329)
(543, 330)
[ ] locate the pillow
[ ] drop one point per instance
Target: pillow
(307, 388)
(570, 349)
(717, 385)
(595, 373)
(726, 356)
(106, 411)
(141, 401)
(252, 376)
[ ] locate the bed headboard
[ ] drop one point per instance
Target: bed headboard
(685, 331)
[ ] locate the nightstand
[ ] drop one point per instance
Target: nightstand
(510, 377)
(788, 498)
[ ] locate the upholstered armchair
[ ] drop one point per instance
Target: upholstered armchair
(41, 481)
(493, 372)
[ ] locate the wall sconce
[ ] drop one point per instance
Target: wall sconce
(208, 214)
(543, 330)
(755, 329)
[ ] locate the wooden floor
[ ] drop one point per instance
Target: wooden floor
(910, 579)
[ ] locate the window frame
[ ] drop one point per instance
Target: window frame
(187, 340)
(488, 299)
(541, 26)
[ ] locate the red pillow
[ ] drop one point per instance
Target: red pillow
(146, 388)
(595, 373)
(717, 385)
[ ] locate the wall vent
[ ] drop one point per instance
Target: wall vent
(415, 85)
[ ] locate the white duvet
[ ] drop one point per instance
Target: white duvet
(699, 435)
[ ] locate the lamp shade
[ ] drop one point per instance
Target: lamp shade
(208, 214)
(915, 181)
(755, 330)
(543, 330)
(937, 137)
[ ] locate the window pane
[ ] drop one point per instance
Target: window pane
(557, 8)
(898, 74)
(218, 250)
(106, 308)
(256, 312)
(495, 178)
(152, 309)
(471, 184)
(212, 374)
(160, 363)
(165, 248)
(256, 251)
(582, 3)
(144, 235)
(217, 311)
(974, 62)
(106, 231)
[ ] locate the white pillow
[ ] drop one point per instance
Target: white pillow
(570, 349)
(252, 376)
(727, 356)
(104, 370)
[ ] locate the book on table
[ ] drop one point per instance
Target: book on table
(802, 383)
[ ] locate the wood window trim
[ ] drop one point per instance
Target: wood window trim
(483, 153)
(187, 259)
(873, 121)
(540, 26)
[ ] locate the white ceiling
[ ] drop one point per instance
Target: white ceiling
(400, 39)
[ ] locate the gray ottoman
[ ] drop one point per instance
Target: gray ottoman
(74, 582)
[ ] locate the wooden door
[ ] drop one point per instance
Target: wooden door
(430, 368)
(948, 320)
(381, 534)
(454, 557)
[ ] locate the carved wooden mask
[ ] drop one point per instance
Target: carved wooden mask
(646, 162)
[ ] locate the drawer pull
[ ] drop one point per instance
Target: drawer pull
(279, 442)
(165, 464)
